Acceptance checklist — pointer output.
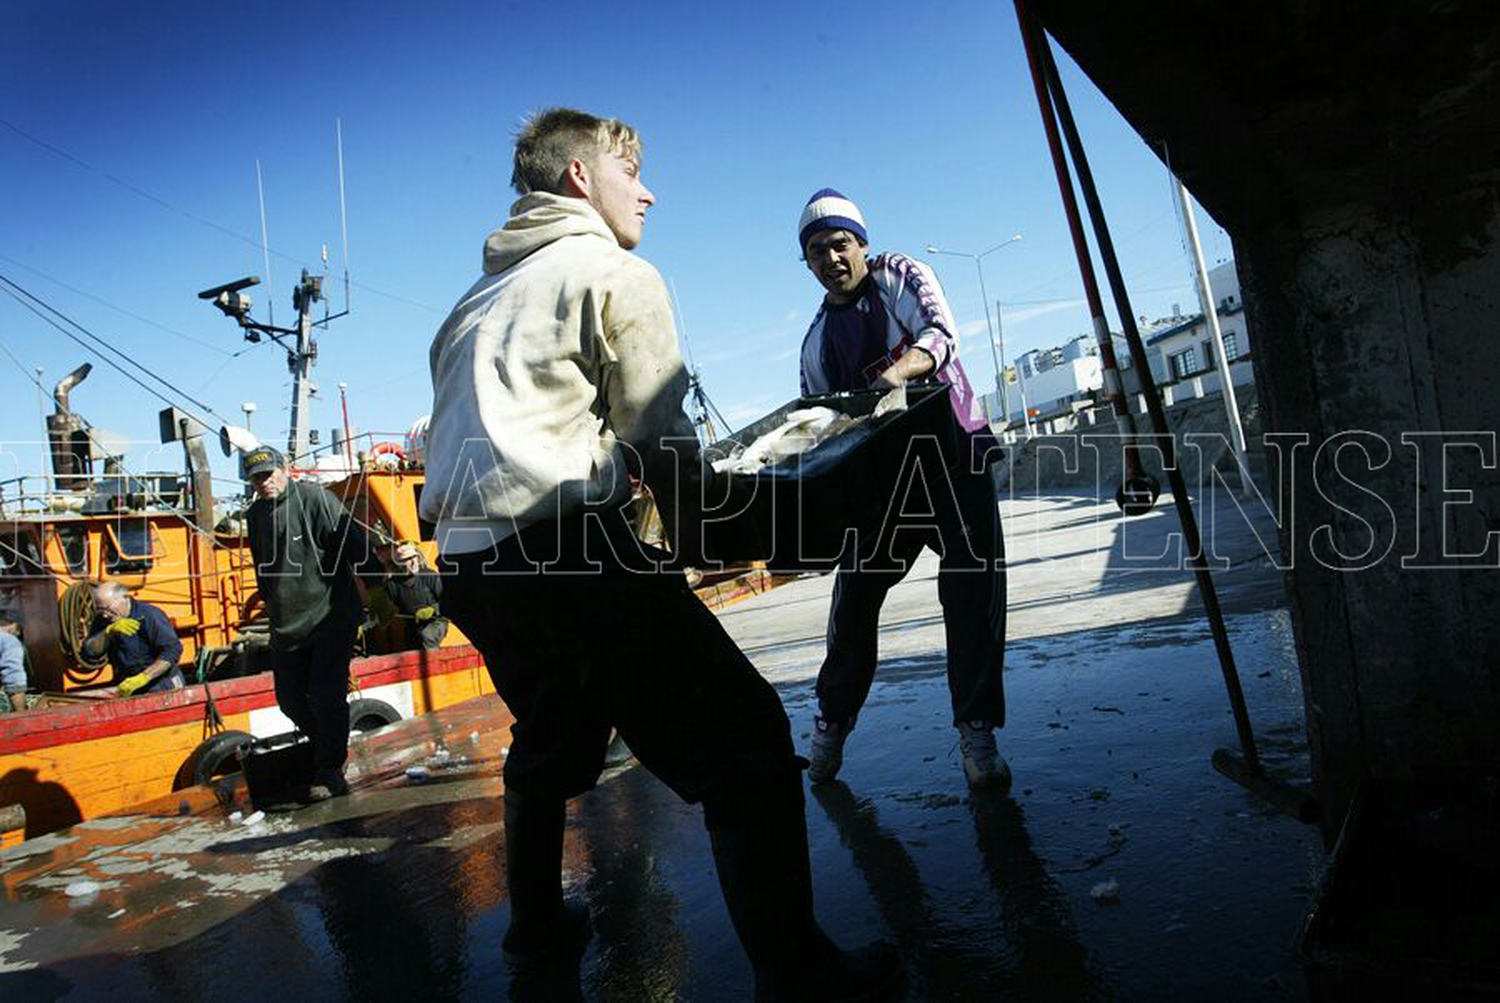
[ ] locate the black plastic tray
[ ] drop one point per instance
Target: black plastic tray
(276, 767)
(801, 514)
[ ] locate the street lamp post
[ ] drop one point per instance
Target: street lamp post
(978, 260)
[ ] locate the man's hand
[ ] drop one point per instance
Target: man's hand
(133, 683)
(913, 365)
(425, 613)
(125, 626)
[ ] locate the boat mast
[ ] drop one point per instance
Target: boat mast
(298, 438)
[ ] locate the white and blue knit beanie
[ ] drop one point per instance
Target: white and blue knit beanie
(830, 210)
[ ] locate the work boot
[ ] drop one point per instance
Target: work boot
(546, 937)
(983, 764)
(766, 879)
(327, 782)
(557, 945)
(827, 753)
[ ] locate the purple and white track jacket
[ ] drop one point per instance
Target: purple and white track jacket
(902, 307)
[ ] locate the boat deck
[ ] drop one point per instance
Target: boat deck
(1120, 867)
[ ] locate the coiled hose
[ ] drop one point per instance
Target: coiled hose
(75, 614)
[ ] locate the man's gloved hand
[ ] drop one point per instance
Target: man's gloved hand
(125, 626)
(425, 613)
(133, 683)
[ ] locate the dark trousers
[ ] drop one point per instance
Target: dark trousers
(576, 652)
(312, 688)
(971, 589)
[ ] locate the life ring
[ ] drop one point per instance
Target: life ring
(381, 448)
(214, 757)
(366, 714)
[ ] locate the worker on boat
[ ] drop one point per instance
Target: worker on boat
(138, 639)
(884, 321)
(12, 666)
(555, 378)
(414, 590)
(306, 547)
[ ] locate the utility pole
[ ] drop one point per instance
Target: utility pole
(1211, 317)
(1025, 407)
(984, 299)
(1000, 369)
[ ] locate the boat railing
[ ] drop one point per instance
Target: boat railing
(41, 494)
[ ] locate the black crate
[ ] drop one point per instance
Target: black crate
(1408, 908)
(801, 514)
(276, 767)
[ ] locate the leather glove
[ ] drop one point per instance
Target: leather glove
(125, 626)
(133, 683)
(425, 613)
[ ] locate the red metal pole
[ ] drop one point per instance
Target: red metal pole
(1113, 388)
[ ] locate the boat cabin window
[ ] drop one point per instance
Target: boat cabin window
(131, 546)
(19, 553)
(74, 542)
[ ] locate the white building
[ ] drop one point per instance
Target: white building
(1182, 347)
(1059, 381)
(1054, 380)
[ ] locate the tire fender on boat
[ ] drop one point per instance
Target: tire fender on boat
(209, 759)
(367, 714)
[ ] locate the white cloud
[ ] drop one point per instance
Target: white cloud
(745, 412)
(1025, 313)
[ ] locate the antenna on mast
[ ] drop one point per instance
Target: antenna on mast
(682, 324)
(265, 245)
(338, 125)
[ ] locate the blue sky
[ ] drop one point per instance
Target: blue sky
(134, 185)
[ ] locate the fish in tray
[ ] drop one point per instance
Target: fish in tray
(802, 431)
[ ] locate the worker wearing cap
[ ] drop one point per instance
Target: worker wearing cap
(305, 547)
(138, 639)
(415, 591)
(884, 321)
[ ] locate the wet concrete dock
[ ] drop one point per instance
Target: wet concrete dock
(1120, 867)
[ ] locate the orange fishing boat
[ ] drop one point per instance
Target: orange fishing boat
(73, 756)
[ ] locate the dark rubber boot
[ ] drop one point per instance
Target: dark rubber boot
(767, 884)
(544, 934)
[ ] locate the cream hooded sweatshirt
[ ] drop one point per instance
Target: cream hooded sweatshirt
(562, 354)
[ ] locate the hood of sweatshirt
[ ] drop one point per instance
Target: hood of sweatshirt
(537, 220)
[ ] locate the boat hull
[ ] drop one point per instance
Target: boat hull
(66, 764)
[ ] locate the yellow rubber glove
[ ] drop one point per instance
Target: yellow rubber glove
(425, 613)
(125, 626)
(133, 683)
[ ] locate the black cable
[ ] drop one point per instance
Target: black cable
(163, 203)
(24, 371)
(5, 287)
(117, 309)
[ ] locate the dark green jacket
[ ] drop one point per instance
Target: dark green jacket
(305, 547)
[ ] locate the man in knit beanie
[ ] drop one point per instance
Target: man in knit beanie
(884, 321)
